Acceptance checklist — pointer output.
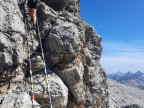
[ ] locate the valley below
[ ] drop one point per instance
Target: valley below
(123, 96)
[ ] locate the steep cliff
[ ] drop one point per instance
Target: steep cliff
(72, 52)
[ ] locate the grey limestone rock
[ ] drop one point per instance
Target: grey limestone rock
(37, 64)
(63, 38)
(14, 100)
(58, 90)
(11, 36)
(72, 52)
(73, 6)
(11, 17)
(56, 4)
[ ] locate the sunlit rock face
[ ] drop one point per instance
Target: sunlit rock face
(72, 50)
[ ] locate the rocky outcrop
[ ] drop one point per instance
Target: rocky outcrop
(12, 50)
(20, 100)
(72, 52)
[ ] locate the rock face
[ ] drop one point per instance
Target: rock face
(11, 36)
(72, 52)
(22, 100)
(122, 96)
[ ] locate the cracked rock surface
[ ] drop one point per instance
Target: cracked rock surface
(72, 51)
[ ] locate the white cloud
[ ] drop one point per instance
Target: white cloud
(122, 57)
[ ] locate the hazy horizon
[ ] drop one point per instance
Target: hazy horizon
(124, 72)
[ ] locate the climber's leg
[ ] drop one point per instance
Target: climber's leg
(34, 16)
(25, 1)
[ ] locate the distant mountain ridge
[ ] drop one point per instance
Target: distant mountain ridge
(129, 79)
(119, 73)
(130, 75)
(116, 76)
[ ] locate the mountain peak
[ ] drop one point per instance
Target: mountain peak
(128, 73)
(139, 72)
(119, 73)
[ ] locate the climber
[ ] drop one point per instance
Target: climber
(32, 8)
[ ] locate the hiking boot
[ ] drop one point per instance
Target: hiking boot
(34, 27)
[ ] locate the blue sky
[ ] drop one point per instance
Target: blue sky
(121, 25)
